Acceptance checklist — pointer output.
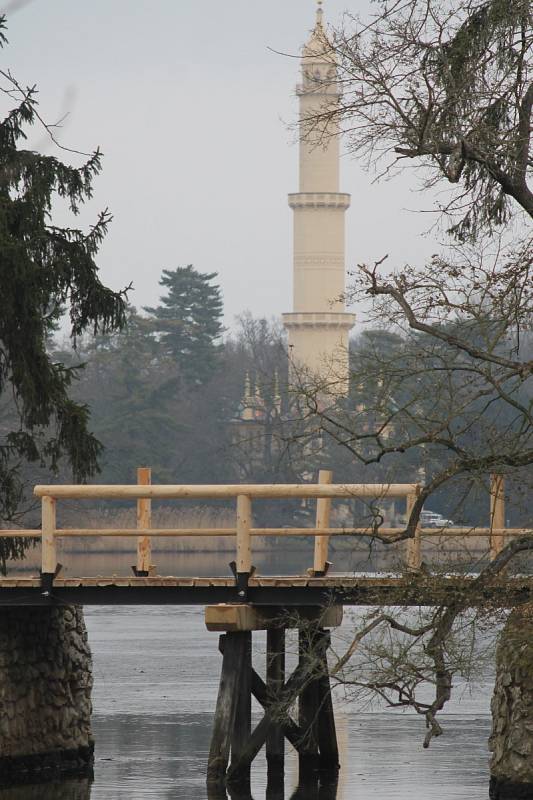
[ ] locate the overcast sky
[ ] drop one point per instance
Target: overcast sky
(191, 108)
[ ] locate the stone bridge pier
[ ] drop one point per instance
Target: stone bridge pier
(45, 696)
(511, 741)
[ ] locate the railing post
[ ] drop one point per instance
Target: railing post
(497, 513)
(48, 542)
(244, 543)
(414, 545)
(144, 520)
(323, 509)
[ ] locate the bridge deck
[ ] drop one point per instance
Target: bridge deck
(410, 590)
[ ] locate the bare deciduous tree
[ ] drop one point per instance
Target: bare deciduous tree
(450, 86)
(446, 87)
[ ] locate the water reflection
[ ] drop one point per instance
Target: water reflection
(205, 564)
(71, 789)
(316, 786)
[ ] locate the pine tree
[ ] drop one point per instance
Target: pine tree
(44, 268)
(188, 322)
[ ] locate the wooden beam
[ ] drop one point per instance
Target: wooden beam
(254, 744)
(245, 617)
(291, 731)
(323, 510)
(166, 492)
(144, 522)
(158, 532)
(281, 532)
(292, 689)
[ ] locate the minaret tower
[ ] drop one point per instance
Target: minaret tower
(319, 325)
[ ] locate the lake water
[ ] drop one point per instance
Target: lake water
(156, 679)
(156, 673)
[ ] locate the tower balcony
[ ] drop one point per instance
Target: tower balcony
(338, 200)
(331, 320)
(315, 86)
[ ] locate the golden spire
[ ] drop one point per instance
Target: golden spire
(247, 412)
(276, 394)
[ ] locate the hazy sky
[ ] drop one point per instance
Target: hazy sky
(191, 108)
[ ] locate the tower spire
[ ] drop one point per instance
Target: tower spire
(319, 14)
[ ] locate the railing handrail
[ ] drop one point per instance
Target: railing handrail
(446, 531)
(323, 492)
(218, 491)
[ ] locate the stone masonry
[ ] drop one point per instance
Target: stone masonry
(45, 695)
(511, 741)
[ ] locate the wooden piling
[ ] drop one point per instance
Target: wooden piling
(234, 647)
(497, 514)
(144, 521)
(326, 730)
(275, 677)
(242, 726)
(48, 539)
(314, 737)
(308, 701)
(275, 788)
(323, 510)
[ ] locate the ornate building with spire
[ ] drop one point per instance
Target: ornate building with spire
(318, 326)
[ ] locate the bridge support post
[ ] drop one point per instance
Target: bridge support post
(46, 681)
(511, 741)
(313, 736)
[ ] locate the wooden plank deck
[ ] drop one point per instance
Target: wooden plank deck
(412, 590)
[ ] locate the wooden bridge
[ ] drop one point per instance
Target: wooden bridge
(244, 601)
(317, 587)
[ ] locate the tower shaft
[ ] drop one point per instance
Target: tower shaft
(319, 326)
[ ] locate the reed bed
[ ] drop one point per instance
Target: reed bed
(162, 517)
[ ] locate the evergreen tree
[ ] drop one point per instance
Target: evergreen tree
(124, 384)
(43, 269)
(188, 322)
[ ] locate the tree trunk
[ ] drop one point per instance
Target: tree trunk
(511, 741)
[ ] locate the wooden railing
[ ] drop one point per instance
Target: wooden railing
(324, 492)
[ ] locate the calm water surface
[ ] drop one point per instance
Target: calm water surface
(156, 675)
